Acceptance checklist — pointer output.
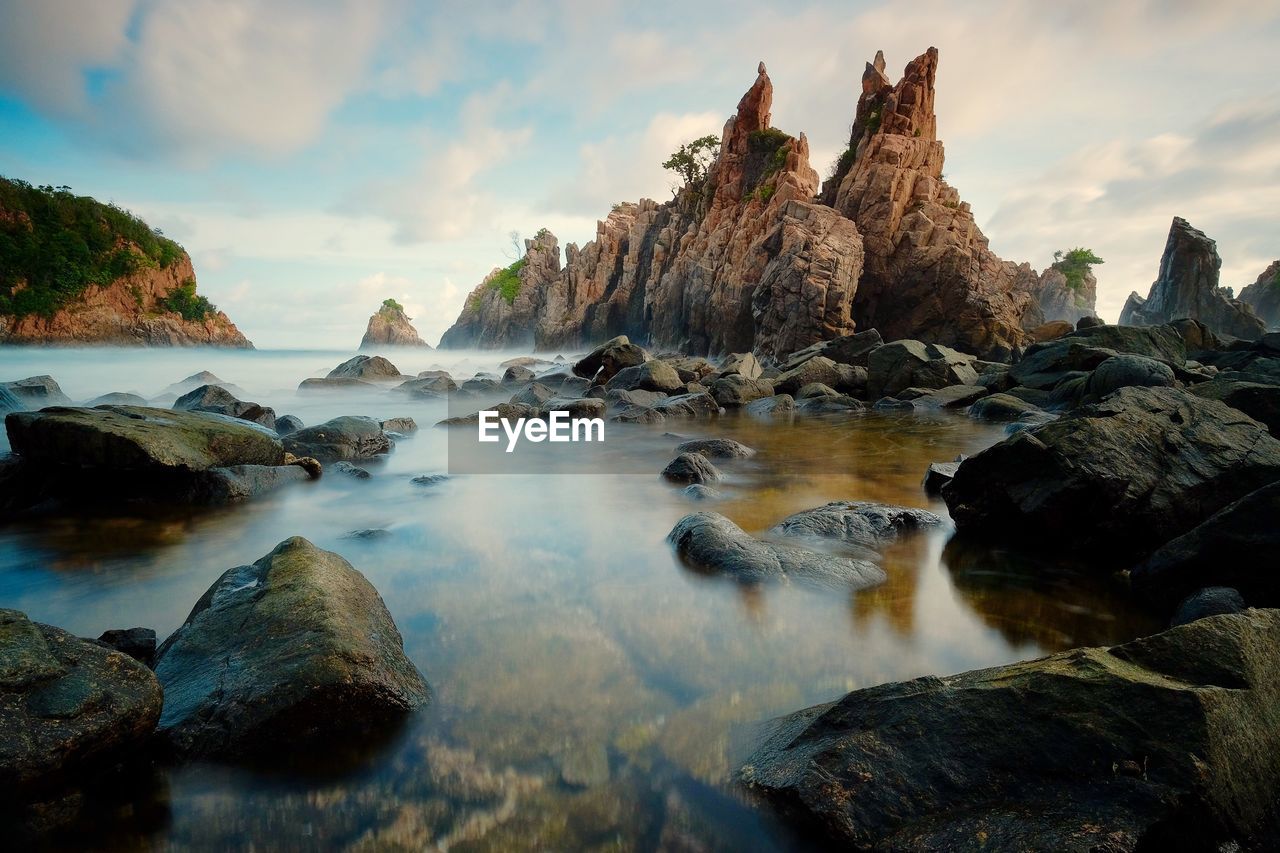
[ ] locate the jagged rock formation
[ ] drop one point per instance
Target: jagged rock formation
(389, 327)
(1053, 298)
(129, 311)
(1263, 296)
(1187, 286)
(751, 259)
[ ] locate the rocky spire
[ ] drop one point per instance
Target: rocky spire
(1264, 296)
(1187, 286)
(390, 327)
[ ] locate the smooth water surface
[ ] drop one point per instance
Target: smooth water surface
(589, 691)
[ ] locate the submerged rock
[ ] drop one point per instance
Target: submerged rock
(708, 541)
(864, 524)
(697, 405)
(699, 492)
(70, 710)
(220, 401)
(716, 448)
(283, 655)
(1168, 742)
(349, 437)
(1115, 479)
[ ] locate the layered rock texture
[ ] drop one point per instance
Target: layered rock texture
(1263, 296)
(1187, 287)
(755, 259)
(389, 327)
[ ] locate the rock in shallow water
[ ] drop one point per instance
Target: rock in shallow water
(1210, 601)
(283, 655)
(716, 448)
(865, 524)
(1115, 479)
(709, 542)
(1167, 742)
(691, 468)
(348, 437)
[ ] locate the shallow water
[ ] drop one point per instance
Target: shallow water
(588, 689)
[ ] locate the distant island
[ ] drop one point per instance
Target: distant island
(76, 271)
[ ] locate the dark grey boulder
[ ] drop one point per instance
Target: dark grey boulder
(286, 424)
(353, 471)
(815, 389)
(477, 385)
(584, 407)
(604, 362)
(349, 437)
(709, 542)
(850, 349)
(1125, 371)
(365, 367)
(950, 397)
(1163, 343)
(1210, 601)
(1001, 408)
(516, 374)
(691, 468)
(1170, 742)
(117, 398)
(779, 404)
(401, 425)
(1115, 479)
(71, 710)
(687, 406)
(827, 405)
(427, 387)
(904, 364)
(1258, 400)
(510, 412)
(699, 492)
(284, 655)
(867, 525)
(654, 375)
(892, 404)
(220, 401)
(574, 386)
(818, 369)
(736, 390)
(937, 476)
(627, 399)
(534, 394)
(137, 643)
(428, 480)
(638, 415)
(337, 384)
(716, 448)
(742, 364)
(234, 483)
(1045, 365)
(1235, 547)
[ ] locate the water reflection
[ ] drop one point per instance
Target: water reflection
(588, 689)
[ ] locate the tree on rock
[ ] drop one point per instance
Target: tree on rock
(692, 159)
(1075, 264)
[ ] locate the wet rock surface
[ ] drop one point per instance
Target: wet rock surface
(349, 438)
(1170, 740)
(284, 655)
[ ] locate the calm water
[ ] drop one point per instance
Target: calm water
(589, 690)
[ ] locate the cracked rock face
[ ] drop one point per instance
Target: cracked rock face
(281, 654)
(1187, 287)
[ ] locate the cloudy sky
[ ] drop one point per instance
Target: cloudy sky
(316, 157)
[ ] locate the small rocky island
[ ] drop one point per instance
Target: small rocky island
(390, 327)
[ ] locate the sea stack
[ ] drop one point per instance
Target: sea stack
(390, 327)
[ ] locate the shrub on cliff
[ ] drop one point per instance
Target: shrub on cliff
(1075, 265)
(507, 281)
(184, 300)
(692, 160)
(54, 244)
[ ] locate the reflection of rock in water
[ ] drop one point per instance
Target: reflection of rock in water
(1032, 598)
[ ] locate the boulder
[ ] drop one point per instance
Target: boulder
(348, 437)
(1187, 286)
(780, 404)
(401, 425)
(818, 369)
(428, 386)
(137, 643)
(284, 655)
(1051, 331)
(515, 375)
(241, 482)
(691, 468)
(618, 352)
(36, 392)
(709, 542)
(716, 448)
(1163, 343)
(1257, 400)
(628, 399)
(534, 394)
(574, 386)
(1263, 296)
(866, 525)
(742, 364)
(829, 404)
(1044, 366)
(816, 389)
(71, 710)
(911, 364)
(938, 475)
(216, 399)
(638, 415)
(699, 492)
(950, 397)
(701, 405)
(506, 412)
(653, 375)
(1170, 742)
(1210, 601)
(1115, 479)
(735, 390)
(365, 367)
(287, 424)
(353, 471)
(338, 384)
(848, 349)
(138, 439)
(584, 407)
(1001, 408)
(115, 398)
(1088, 322)
(1128, 371)
(1234, 547)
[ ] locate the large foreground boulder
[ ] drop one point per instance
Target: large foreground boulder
(70, 710)
(284, 654)
(709, 542)
(1115, 479)
(1167, 742)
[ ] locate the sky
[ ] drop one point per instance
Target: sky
(317, 157)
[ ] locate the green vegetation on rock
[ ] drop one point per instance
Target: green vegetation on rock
(392, 305)
(507, 281)
(692, 160)
(1075, 265)
(184, 300)
(55, 244)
